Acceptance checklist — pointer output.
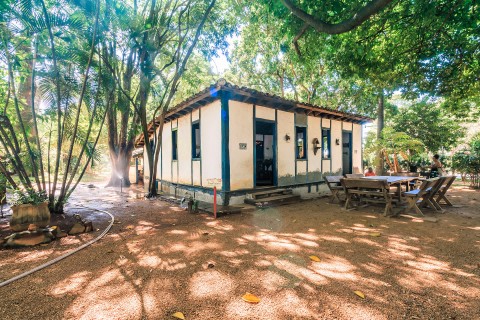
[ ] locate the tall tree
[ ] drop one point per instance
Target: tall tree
(64, 41)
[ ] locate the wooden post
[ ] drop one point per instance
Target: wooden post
(215, 202)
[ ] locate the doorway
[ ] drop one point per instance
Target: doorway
(265, 140)
(347, 152)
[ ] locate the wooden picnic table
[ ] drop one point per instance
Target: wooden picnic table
(395, 181)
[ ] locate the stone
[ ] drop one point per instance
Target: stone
(29, 238)
(88, 226)
(77, 229)
(61, 234)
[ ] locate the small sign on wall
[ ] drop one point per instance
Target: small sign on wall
(242, 146)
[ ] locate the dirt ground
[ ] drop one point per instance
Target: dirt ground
(157, 259)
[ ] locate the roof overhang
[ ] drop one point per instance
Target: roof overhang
(250, 96)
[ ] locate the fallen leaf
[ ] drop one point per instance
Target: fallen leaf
(178, 315)
(248, 297)
(360, 294)
(375, 234)
(314, 258)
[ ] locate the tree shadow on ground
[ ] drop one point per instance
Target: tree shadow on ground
(160, 260)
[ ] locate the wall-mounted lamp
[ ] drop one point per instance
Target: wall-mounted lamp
(316, 145)
(287, 137)
(337, 142)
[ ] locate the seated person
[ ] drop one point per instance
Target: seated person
(436, 168)
(370, 172)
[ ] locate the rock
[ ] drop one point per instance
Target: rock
(77, 229)
(29, 238)
(88, 226)
(61, 234)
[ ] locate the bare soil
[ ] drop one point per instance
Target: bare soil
(158, 259)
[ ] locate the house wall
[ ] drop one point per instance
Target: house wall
(241, 132)
(336, 133)
(357, 154)
(207, 171)
(314, 160)
(286, 149)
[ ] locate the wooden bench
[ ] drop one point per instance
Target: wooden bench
(368, 190)
(333, 183)
(423, 196)
(446, 184)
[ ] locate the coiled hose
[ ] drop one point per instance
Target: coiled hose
(57, 259)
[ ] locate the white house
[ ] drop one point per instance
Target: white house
(241, 140)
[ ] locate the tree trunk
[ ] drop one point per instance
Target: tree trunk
(380, 124)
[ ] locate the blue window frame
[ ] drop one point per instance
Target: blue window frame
(196, 149)
(174, 145)
(326, 144)
(301, 142)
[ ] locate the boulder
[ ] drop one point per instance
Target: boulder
(88, 226)
(77, 229)
(29, 238)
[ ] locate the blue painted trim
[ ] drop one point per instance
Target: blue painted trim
(341, 145)
(294, 140)
(201, 153)
(191, 155)
(275, 152)
(321, 150)
(306, 153)
(225, 128)
(254, 146)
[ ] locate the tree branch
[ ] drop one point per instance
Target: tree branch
(360, 17)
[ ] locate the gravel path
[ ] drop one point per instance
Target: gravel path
(159, 260)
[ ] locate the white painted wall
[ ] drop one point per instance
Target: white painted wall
(196, 168)
(211, 144)
(314, 160)
(357, 149)
(185, 150)
(286, 149)
(264, 113)
(336, 133)
(167, 152)
(241, 131)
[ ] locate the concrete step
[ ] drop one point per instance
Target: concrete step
(275, 200)
(268, 193)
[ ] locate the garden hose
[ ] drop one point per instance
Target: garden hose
(57, 259)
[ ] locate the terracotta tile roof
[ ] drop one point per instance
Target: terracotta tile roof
(252, 96)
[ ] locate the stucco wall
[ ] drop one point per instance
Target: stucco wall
(208, 171)
(314, 160)
(336, 133)
(167, 152)
(211, 144)
(286, 149)
(185, 150)
(357, 149)
(264, 113)
(241, 131)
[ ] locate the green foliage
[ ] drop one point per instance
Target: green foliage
(427, 122)
(30, 196)
(393, 145)
(467, 161)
